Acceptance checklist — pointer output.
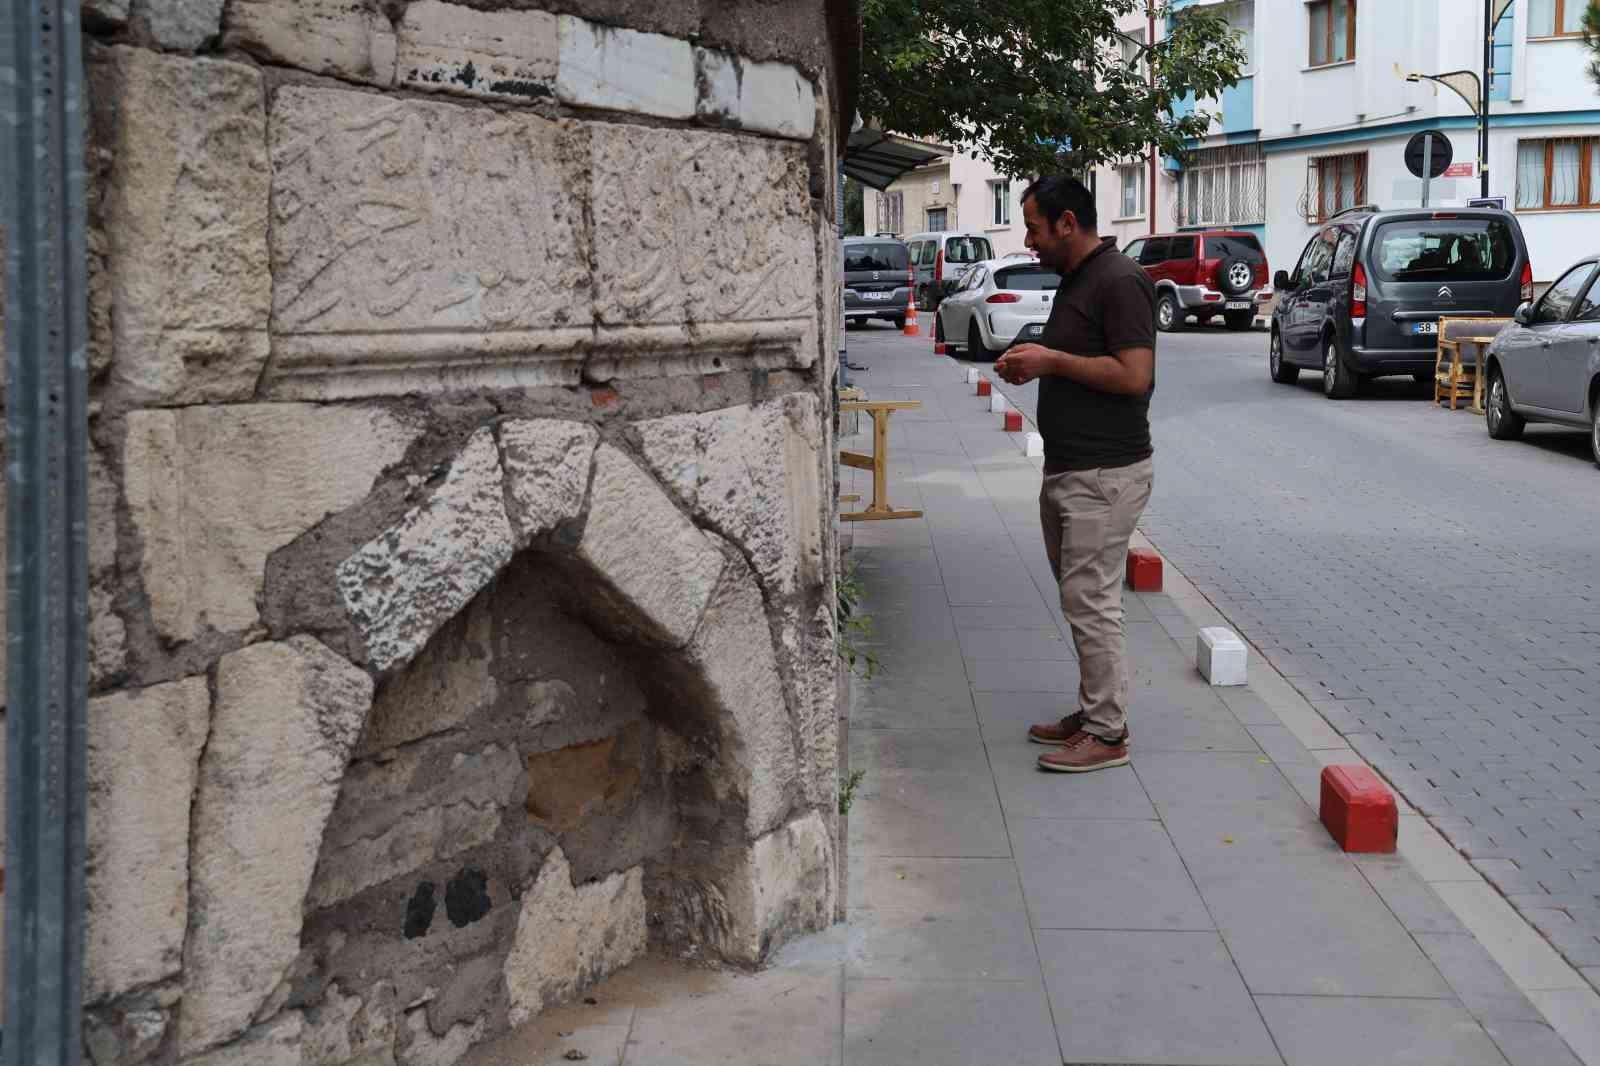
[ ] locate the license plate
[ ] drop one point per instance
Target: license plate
(1034, 330)
(1236, 305)
(876, 295)
(1424, 327)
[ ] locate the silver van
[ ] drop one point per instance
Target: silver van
(940, 259)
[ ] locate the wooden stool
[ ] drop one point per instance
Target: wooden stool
(878, 461)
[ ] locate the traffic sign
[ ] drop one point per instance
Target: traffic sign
(1460, 170)
(1439, 153)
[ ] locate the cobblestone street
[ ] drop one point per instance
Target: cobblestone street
(1434, 594)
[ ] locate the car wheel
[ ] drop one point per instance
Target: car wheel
(1503, 423)
(1338, 382)
(1169, 316)
(1283, 371)
(938, 328)
(1594, 431)
(976, 349)
(1240, 320)
(1235, 277)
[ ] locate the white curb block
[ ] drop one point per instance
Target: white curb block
(1035, 446)
(1220, 656)
(972, 375)
(997, 402)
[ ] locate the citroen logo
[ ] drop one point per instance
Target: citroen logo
(874, 275)
(1445, 293)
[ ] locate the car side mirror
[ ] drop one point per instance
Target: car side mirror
(1281, 280)
(1524, 314)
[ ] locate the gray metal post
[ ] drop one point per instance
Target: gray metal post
(46, 358)
(844, 347)
(1427, 168)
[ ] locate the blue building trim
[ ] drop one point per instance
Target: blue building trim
(1504, 53)
(1448, 122)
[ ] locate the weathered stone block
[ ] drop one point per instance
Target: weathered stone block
(205, 542)
(105, 15)
(287, 715)
(421, 1048)
(396, 816)
(785, 885)
(144, 757)
(765, 97)
(439, 690)
(547, 473)
(752, 474)
(392, 266)
(339, 38)
(715, 227)
(569, 786)
(182, 25)
(570, 936)
(496, 54)
(349, 1029)
(276, 1043)
(185, 218)
(661, 569)
(624, 70)
(402, 586)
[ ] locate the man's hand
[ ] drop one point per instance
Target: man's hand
(1025, 362)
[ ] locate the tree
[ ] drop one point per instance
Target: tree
(1591, 40)
(855, 209)
(1040, 85)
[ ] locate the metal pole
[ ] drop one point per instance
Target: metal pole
(1483, 104)
(1427, 168)
(42, 186)
(844, 346)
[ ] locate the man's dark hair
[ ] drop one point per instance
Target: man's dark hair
(1058, 193)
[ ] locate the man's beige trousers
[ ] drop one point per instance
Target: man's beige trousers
(1089, 516)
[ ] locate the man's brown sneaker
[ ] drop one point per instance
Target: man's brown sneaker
(1057, 732)
(1083, 753)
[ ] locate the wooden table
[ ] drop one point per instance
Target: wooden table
(1453, 334)
(878, 461)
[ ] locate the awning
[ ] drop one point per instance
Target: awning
(876, 158)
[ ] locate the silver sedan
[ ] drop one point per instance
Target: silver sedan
(997, 303)
(1545, 366)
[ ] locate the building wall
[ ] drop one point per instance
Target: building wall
(461, 512)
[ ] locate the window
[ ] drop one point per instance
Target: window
(1130, 46)
(1000, 197)
(1223, 187)
(881, 257)
(1134, 250)
(1132, 192)
(1155, 250)
(1242, 21)
(1183, 248)
(938, 219)
(1333, 31)
(1558, 172)
(968, 250)
(891, 212)
(1345, 255)
(1442, 250)
(1555, 18)
(1339, 182)
(1027, 279)
(1588, 307)
(1316, 262)
(975, 276)
(930, 249)
(1555, 304)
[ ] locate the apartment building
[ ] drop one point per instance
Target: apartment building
(959, 193)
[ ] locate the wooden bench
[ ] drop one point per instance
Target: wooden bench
(878, 461)
(1454, 379)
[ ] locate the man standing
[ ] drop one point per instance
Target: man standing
(1096, 370)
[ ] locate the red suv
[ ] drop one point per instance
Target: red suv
(1206, 273)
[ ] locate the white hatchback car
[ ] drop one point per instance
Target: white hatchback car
(996, 304)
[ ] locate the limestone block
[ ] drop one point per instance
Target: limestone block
(107, 634)
(342, 39)
(624, 70)
(185, 215)
(206, 542)
(497, 54)
(422, 1048)
(182, 25)
(813, 656)
(276, 1043)
(785, 884)
(1221, 656)
(144, 757)
(439, 690)
(569, 937)
(751, 473)
(417, 244)
(776, 98)
(105, 14)
(399, 815)
(703, 227)
(287, 715)
(347, 1028)
(547, 473)
(402, 586)
(661, 567)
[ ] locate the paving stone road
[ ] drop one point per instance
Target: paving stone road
(1434, 593)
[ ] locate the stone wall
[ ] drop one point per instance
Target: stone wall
(461, 545)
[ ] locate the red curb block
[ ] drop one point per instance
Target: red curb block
(1144, 570)
(1013, 420)
(984, 386)
(1359, 810)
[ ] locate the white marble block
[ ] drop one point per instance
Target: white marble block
(1220, 656)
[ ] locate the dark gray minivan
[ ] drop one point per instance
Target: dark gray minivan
(1366, 297)
(877, 280)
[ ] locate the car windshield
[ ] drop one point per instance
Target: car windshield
(967, 250)
(1461, 249)
(876, 257)
(1239, 247)
(1027, 279)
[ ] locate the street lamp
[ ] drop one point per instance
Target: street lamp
(1457, 81)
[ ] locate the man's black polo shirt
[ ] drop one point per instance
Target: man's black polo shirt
(1107, 305)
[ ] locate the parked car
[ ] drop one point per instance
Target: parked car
(877, 280)
(1205, 274)
(1366, 297)
(996, 304)
(940, 259)
(1545, 366)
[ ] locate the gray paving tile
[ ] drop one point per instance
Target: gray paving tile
(1093, 874)
(1006, 716)
(1530, 1044)
(1213, 779)
(928, 816)
(1417, 906)
(1281, 745)
(1023, 675)
(777, 1018)
(967, 945)
(1028, 792)
(942, 751)
(1327, 935)
(1150, 997)
(951, 1023)
(1159, 730)
(891, 700)
(935, 885)
(897, 567)
(1035, 643)
(1335, 1031)
(1024, 615)
(1477, 980)
(1267, 836)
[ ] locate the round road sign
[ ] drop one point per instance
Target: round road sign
(1442, 152)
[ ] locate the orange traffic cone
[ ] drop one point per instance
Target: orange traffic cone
(911, 314)
(938, 344)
